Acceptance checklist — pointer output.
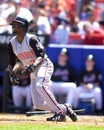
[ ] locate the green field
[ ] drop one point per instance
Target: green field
(47, 127)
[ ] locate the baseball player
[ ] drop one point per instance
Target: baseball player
(28, 49)
(89, 80)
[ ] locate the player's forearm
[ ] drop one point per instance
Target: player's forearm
(38, 61)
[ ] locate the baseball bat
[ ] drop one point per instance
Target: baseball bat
(32, 113)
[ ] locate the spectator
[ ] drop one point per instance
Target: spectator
(16, 7)
(3, 25)
(92, 37)
(53, 10)
(74, 36)
(3, 5)
(13, 9)
(63, 78)
(22, 91)
(33, 27)
(71, 12)
(101, 23)
(43, 25)
(89, 81)
(90, 21)
(62, 32)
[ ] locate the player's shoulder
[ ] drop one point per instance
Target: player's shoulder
(96, 71)
(13, 39)
(30, 35)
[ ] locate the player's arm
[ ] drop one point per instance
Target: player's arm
(99, 78)
(12, 59)
(39, 52)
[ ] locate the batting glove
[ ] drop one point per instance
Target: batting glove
(29, 69)
(14, 80)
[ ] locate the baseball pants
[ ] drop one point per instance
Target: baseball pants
(84, 93)
(19, 93)
(42, 98)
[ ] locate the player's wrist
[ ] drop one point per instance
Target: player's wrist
(34, 65)
(13, 79)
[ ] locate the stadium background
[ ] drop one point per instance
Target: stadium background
(77, 54)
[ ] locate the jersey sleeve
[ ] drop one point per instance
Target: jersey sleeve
(37, 47)
(12, 56)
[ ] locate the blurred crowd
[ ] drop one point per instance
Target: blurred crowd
(65, 21)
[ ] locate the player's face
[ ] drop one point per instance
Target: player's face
(62, 59)
(87, 28)
(90, 64)
(16, 28)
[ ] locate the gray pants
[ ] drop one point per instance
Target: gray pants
(19, 93)
(41, 96)
(84, 93)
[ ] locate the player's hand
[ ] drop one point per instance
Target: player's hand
(89, 86)
(14, 80)
(29, 69)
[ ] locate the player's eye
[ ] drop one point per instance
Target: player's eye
(15, 25)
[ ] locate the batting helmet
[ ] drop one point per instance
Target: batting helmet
(22, 21)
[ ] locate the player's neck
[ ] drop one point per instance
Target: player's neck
(62, 63)
(20, 38)
(89, 68)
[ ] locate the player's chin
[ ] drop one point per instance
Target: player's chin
(13, 32)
